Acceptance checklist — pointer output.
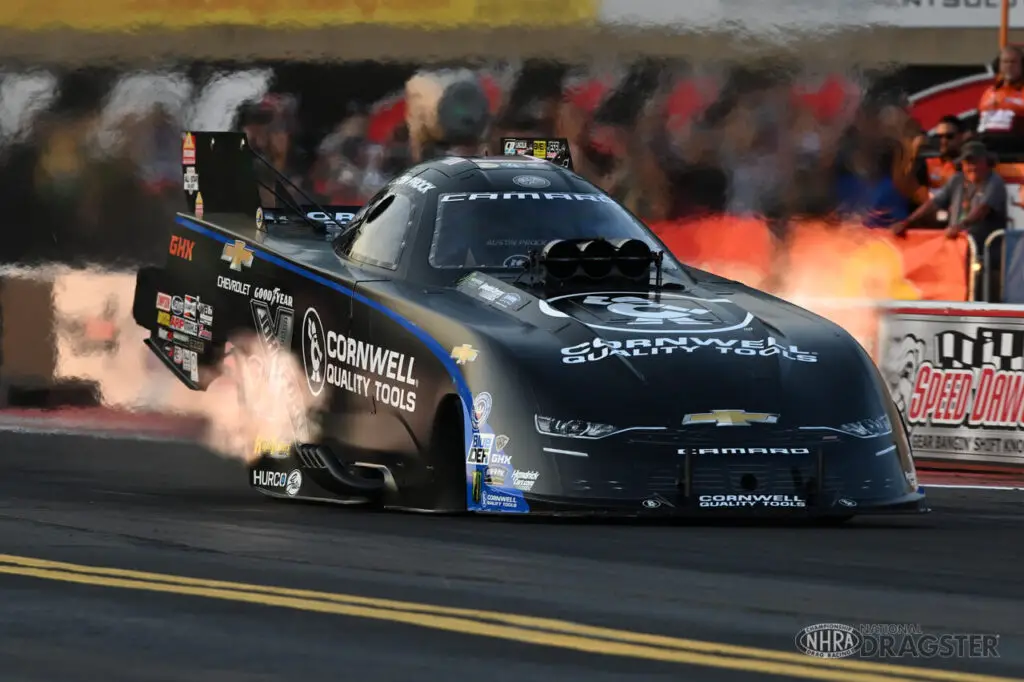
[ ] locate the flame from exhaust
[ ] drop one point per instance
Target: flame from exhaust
(97, 340)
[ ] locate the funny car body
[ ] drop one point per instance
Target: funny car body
(497, 335)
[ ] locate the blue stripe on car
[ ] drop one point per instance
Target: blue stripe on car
(461, 387)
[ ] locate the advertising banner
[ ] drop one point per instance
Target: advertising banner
(956, 372)
(810, 15)
(123, 15)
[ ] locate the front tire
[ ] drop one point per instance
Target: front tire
(447, 457)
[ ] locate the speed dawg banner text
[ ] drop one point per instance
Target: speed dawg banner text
(957, 374)
(846, 261)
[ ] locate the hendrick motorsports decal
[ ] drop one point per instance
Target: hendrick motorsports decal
(649, 313)
(356, 366)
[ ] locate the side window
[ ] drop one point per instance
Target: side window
(380, 239)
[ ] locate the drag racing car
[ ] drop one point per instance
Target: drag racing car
(497, 334)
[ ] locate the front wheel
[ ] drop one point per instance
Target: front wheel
(448, 458)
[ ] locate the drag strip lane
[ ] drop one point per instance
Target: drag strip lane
(538, 631)
(173, 510)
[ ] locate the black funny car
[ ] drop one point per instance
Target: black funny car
(496, 334)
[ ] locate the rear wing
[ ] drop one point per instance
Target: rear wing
(555, 150)
(221, 177)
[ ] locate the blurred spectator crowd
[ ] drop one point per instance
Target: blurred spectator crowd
(672, 141)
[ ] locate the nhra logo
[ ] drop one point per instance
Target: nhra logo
(650, 313)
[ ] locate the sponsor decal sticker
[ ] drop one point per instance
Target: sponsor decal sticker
(273, 296)
(191, 307)
(313, 351)
(177, 305)
(464, 353)
(275, 330)
(191, 180)
(600, 349)
(751, 500)
(259, 218)
(199, 205)
(531, 181)
(730, 418)
(163, 301)
(418, 184)
(291, 482)
(181, 247)
(539, 196)
(163, 319)
(492, 483)
(237, 254)
(650, 313)
(205, 313)
(294, 484)
(233, 285)
(524, 480)
(271, 447)
(518, 262)
(188, 150)
(482, 406)
(365, 369)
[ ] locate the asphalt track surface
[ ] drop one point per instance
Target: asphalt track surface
(110, 551)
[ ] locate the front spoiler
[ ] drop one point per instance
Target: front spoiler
(662, 508)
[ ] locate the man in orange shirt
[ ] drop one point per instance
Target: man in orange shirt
(1001, 108)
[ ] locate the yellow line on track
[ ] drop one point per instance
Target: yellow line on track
(514, 627)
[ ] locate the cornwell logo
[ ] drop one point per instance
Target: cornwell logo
(892, 640)
(751, 500)
(600, 349)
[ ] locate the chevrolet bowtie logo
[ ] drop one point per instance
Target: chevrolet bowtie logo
(730, 418)
(238, 254)
(464, 353)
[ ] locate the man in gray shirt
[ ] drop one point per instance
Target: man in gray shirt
(975, 198)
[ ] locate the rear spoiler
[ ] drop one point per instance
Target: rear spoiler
(220, 177)
(555, 150)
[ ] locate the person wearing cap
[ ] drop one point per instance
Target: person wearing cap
(975, 197)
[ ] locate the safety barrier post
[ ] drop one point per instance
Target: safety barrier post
(987, 262)
(973, 266)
